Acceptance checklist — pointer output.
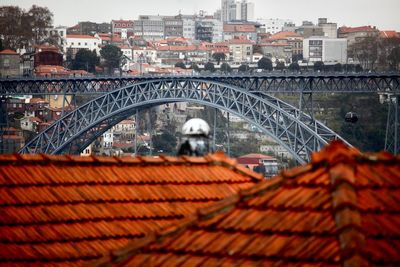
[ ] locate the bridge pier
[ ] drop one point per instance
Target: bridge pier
(392, 140)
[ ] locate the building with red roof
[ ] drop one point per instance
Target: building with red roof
(125, 28)
(247, 30)
(69, 210)
(254, 161)
(389, 34)
(341, 209)
(9, 63)
(352, 34)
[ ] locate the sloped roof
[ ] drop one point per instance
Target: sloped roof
(389, 34)
(342, 209)
(8, 52)
(345, 29)
(80, 36)
(285, 35)
(69, 210)
(254, 158)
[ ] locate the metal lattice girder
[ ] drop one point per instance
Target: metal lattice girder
(296, 131)
(266, 83)
(392, 140)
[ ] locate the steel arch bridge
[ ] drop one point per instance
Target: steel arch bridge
(297, 132)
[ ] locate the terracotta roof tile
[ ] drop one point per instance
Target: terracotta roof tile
(69, 210)
(341, 209)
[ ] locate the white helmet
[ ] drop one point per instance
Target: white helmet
(196, 127)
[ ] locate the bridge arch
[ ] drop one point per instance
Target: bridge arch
(291, 128)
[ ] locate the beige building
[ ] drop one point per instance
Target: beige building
(9, 63)
(240, 50)
(354, 34)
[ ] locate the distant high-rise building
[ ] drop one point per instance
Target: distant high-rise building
(225, 7)
(232, 10)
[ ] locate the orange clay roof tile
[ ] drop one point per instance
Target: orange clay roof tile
(341, 209)
(70, 210)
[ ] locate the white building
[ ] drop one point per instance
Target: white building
(75, 42)
(325, 49)
(189, 28)
(108, 139)
(60, 34)
(128, 57)
(273, 25)
(144, 54)
(150, 27)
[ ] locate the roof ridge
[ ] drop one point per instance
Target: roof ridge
(210, 159)
(346, 213)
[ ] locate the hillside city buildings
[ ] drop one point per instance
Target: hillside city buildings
(156, 44)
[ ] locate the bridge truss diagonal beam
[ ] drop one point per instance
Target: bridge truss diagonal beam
(267, 83)
(295, 131)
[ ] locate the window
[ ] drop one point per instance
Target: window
(86, 44)
(79, 43)
(6, 63)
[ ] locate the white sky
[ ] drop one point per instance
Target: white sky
(385, 14)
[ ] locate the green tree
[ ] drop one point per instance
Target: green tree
(365, 50)
(358, 68)
(319, 66)
(338, 67)
(85, 60)
(180, 64)
(280, 65)
(297, 57)
(243, 68)
(225, 67)
(13, 26)
(218, 56)
(394, 58)
(265, 64)
(209, 66)
(294, 66)
(241, 147)
(195, 67)
(40, 18)
(165, 142)
(112, 56)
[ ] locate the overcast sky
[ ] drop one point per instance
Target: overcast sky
(385, 14)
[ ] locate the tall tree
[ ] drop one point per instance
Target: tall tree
(294, 66)
(225, 67)
(319, 66)
(365, 51)
(265, 64)
(394, 58)
(19, 28)
(195, 67)
(243, 68)
(40, 18)
(209, 66)
(338, 67)
(112, 56)
(280, 65)
(218, 56)
(180, 64)
(85, 60)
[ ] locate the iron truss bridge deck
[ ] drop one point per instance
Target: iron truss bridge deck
(265, 83)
